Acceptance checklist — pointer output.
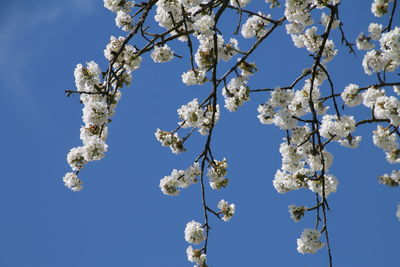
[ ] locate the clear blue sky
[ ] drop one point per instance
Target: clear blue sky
(121, 218)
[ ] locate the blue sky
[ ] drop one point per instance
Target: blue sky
(121, 218)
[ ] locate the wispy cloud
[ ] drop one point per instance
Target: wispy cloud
(16, 59)
(86, 5)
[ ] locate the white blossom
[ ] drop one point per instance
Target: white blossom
(166, 10)
(131, 61)
(193, 77)
(204, 25)
(241, 3)
(255, 26)
(94, 149)
(171, 140)
(281, 97)
(325, 21)
(291, 159)
(191, 3)
(228, 210)
(117, 5)
(236, 93)
(351, 95)
(194, 233)
(76, 159)
(216, 174)
(285, 182)
(195, 255)
(95, 113)
(384, 139)
(390, 180)
(266, 113)
(335, 128)
(312, 42)
(309, 241)
(350, 141)
(375, 31)
(87, 77)
(72, 181)
(299, 134)
(329, 185)
(380, 7)
(284, 119)
(396, 89)
(364, 42)
(388, 108)
(296, 212)
(298, 15)
(180, 179)
(123, 20)
(169, 184)
(198, 117)
(369, 97)
(315, 161)
(162, 54)
(86, 133)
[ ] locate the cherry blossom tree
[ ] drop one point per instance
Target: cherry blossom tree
(308, 109)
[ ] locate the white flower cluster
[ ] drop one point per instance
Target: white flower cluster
(236, 93)
(384, 108)
(296, 212)
(273, 3)
(196, 116)
(196, 256)
(285, 181)
(100, 99)
(284, 104)
(180, 179)
(388, 57)
(309, 241)
(388, 108)
(297, 13)
(192, 77)
(72, 181)
(325, 21)
(171, 140)
(390, 180)
(205, 55)
(369, 97)
(128, 57)
(312, 42)
(299, 164)
(239, 3)
(97, 110)
(334, 128)
(168, 12)
(255, 26)
(216, 174)
(364, 42)
(194, 233)
(169, 15)
(228, 210)
(385, 139)
(351, 96)
(326, 186)
(123, 9)
(283, 118)
(162, 54)
(380, 7)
